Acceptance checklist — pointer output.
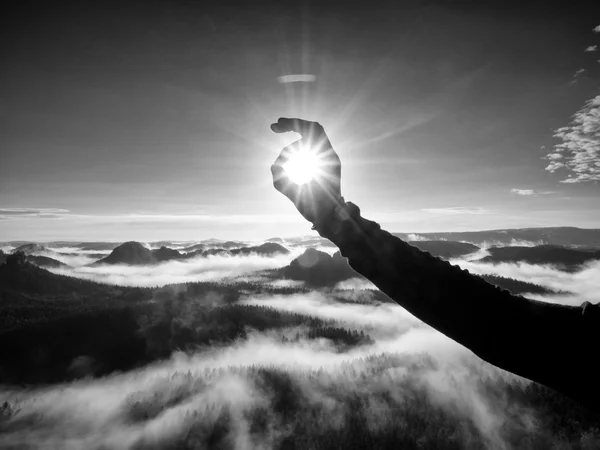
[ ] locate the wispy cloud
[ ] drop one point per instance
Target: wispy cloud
(591, 48)
(47, 213)
(149, 218)
(297, 78)
(457, 210)
(579, 151)
(530, 192)
(576, 75)
(29, 211)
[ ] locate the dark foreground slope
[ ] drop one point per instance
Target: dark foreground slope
(48, 320)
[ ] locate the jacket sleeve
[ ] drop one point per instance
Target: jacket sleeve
(544, 342)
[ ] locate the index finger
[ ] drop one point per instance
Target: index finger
(303, 127)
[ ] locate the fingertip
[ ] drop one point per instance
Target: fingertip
(282, 125)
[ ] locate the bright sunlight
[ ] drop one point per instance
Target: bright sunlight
(302, 166)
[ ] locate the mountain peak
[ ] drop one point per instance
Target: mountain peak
(31, 248)
(319, 268)
(130, 252)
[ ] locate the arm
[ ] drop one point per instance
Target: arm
(548, 343)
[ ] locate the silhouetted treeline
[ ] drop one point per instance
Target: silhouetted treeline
(569, 259)
(123, 338)
(517, 286)
(48, 352)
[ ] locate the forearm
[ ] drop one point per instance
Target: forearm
(523, 336)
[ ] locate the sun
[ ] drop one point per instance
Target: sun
(303, 166)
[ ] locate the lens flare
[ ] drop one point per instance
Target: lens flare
(303, 166)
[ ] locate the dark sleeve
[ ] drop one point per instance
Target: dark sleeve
(548, 343)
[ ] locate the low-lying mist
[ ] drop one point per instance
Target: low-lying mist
(583, 285)
(162, 403)
(279, 386)
(209, 268)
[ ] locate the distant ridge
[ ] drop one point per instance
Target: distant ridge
(568, 258)
(134, 253)
(567, 236)
(445, 249)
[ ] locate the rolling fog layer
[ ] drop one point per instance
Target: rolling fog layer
(94, 413)
(583, 285)
(209, 268)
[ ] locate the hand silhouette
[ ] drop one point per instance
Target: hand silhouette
(316, 199)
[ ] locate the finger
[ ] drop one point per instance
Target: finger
(313, 134)
(303, 127)
(286, 152)
(281, 180)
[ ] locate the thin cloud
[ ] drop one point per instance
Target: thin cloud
(530, 192)
(576, 75)
(297, 78)
(31, 211)
(457, 210)
(579, 150)
(523, 191)
(591, 48)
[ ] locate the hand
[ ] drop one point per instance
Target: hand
(315, 199)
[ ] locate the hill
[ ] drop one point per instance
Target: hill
(45, 261)
(31, 248)
(194, 248)
(31, 294)
(517, 287)
(318, 268)
(97, 246)
(445, 249)
(166, 254)
(132, 253)
(562, 257)
(266, 249)
(214, 244)
(567, 236)
(18, 275)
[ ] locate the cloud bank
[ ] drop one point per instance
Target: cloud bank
(162, 402)
(579, 151)
(210, 268)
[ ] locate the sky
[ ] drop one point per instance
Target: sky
(150, 120)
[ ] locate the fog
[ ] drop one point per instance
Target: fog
(179, 392)
(382, 318)
(209, 268)
(74, 257)
(583, 285)
(157, 404)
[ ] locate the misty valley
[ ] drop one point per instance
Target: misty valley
(276, 344)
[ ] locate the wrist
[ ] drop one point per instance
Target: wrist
(343, 223)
